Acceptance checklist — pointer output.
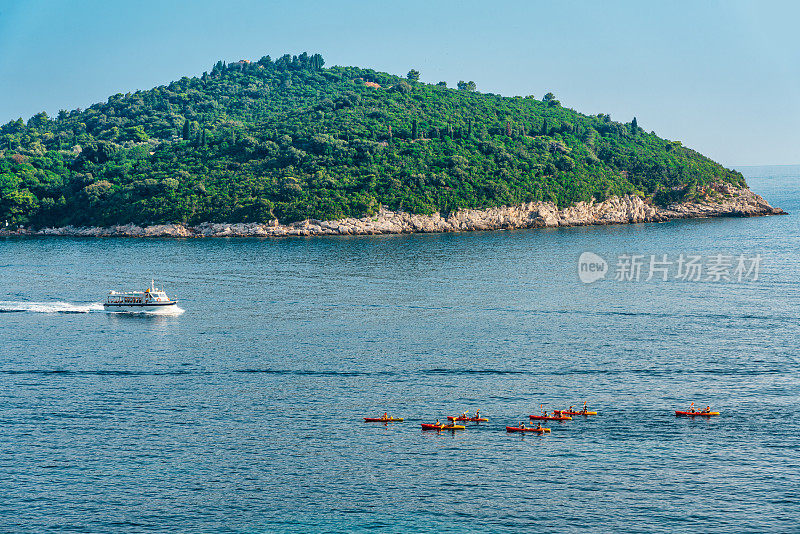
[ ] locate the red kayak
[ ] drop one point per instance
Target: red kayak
(518, 429)
(567, 412)
(551, 418)
(473, 419)
(431, 426)
(707, 414)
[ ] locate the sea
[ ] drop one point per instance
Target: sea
(244, 413)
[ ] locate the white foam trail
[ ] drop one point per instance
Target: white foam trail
(48, 307)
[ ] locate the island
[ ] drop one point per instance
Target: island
(289, 147)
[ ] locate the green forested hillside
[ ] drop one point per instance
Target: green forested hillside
(288, 138)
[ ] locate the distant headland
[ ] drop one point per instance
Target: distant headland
(290, 147)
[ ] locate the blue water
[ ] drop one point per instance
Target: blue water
(243, 413)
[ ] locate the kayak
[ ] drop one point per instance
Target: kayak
(678, 412)
(517, 429)
(567, 412)
(383, 419)
(431, 426)
(473, 419)
(551, 418)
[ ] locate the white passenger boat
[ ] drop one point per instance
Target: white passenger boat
(151, 299)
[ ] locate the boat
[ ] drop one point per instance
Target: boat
(383, 419)
(568, 412)
(432, 426)
(151, 299)
(526, 429)
(551, 417)
(471, 419)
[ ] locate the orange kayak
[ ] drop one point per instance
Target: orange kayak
(473, 419)
(383, 419)
(518, 429)
(567, 412)
(678, 412)
(551, 418)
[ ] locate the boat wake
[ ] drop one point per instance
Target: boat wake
(7, 306)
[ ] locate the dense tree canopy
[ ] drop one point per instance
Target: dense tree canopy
(288, 138)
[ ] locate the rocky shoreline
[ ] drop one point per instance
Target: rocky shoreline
(721, 200)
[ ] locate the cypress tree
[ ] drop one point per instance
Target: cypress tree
(415, 129)
(186, 129)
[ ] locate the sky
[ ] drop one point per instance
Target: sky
(723, 77)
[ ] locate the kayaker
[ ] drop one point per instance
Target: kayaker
(477, 414)
(386, 415)
(437, 423)
(522, 425)
(708, 409)
(538, 426)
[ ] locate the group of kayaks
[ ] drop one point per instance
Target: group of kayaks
(451, 424)
(455, 422)
(556, 415)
